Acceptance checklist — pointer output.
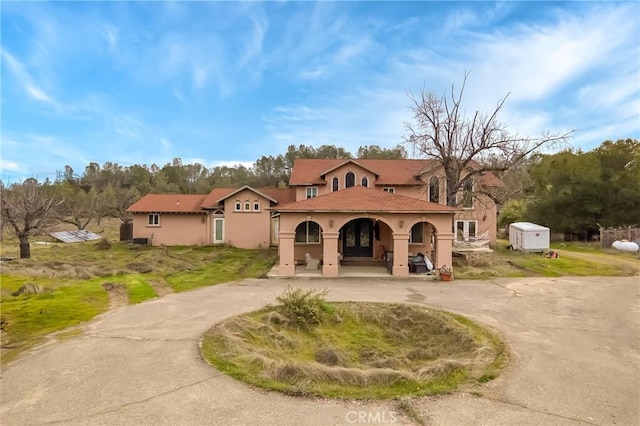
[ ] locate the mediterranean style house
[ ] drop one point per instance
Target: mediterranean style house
(333, 210)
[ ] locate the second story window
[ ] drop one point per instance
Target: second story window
(349, 180)
(335, 183)
(365, 182)
(467, 194)
(256, 206)
(247, 206)
(237, 206)
(389, 189)
(312, 192)
(434, 189)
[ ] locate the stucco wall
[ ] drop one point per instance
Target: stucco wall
(485, 213)
(247, 229)
(174, 229)
(389, 224)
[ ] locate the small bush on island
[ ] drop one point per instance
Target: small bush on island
(308, 346)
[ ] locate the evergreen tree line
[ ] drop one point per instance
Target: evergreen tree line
(576, 192)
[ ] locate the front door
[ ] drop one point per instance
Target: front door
(357, 240)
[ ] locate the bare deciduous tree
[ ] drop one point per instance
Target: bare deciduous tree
(27, 207)
(79, 207)
(467, 146)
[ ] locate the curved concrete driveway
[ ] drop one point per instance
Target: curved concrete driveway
(575, 344)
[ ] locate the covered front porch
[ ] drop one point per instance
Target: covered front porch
(328, 243)
(358, 222)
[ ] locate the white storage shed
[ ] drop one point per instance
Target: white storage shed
(529, 237)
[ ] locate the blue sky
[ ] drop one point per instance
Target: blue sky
(225, 83)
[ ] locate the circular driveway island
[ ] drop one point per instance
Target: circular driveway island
(575, 355)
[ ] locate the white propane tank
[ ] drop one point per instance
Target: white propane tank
(627, 246)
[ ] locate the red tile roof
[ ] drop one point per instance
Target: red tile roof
(211, 201)
(362, 199)
(168, 203)
(310, 171)
(282, 195)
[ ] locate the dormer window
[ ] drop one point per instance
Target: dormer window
(335, 184)
(365, 182)
(312, 192)
(389, 189)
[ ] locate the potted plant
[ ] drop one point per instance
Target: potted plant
(446, 273)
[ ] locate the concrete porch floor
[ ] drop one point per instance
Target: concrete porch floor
(349, 272)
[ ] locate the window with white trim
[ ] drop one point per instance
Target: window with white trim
(312, 191)
(466, 229)
(365, 182)
(247, 206)
(389, 189)
(417, 234)
(308, 233)
(218, 230)
(237, 206)
(154, 219)
(256, 206)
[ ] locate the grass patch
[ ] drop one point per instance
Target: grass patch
(28, 318)
(223, 264)
(576, 259)
(138, 288)
(356, 350)
(72, 276)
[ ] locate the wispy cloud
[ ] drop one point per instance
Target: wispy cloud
(30, 87)
(110, 32)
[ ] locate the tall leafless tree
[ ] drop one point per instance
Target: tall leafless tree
(27, 207)
(467, 146)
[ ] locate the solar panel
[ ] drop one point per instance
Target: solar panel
(75, 236)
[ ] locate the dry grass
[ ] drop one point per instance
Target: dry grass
(81, 280)
(362, 350)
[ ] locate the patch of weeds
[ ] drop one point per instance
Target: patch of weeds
(374, 351)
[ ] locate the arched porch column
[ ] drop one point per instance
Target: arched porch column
(400, 254)
(330, 253)
(287, 267)
(444, 249)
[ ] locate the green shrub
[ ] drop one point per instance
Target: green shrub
(303, 309)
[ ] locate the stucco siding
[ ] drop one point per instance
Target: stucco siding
(173, 229)
(247, 228)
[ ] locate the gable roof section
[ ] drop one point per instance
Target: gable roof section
(362, 199)
(275, 195)
(168, 203)
(309, 171)
(357, 163)
(255, 191)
